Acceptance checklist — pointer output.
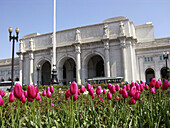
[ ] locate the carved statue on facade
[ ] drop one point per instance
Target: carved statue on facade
(78, 37)
(122, 29)
(106, 31)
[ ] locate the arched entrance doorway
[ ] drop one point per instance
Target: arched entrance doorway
(69, 71)
(149, 73)
(95, 67)
(163, 73)
(46, 73)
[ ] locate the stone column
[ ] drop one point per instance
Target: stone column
(107, 57)
(141, 69)
(123, 51)
(131, 66)
(78, 64)
(31, 62)
(20, 68)
(157, 70)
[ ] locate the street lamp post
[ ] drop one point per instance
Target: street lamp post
(38, 69)
(165, 56)
(13, 38)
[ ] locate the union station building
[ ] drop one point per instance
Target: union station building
(113, 48)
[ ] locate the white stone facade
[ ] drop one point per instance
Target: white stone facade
(113, 48)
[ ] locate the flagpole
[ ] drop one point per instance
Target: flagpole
(54, 71)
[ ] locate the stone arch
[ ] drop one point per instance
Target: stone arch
(163, 72)
(66, 67)
(149, 74)
(89, 66)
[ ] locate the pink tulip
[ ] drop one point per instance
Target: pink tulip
(25, 93)
(11, 97)
(137, 95)
(152, 83)
(112, 89)
(127, 87)
(30, 99)
(109, 95)
(168, 83)
(1, 101)
(101, 99)
(44, 93)
(82, 89)
(120, 91)
(23, 99)
(68, 93)
(133, 91)
(117, 97)
(109, 86)
(52, 104)
(143, 83)
(93, 96)
(136, 84)
(38, 97)
(132, 84)
(75, 96)
(2, 92)
(104, 91)
(48, 94)
(117, 87)
(141, 87)
(132, 101)
(51, 89)
(98, 90)
(165, 85)
(79, 92)
(37, 90)
(146, 87)
(124, 93)
(91, 91)
(18, 91)
(66, 97)
(157, 85)
(138, 87)
(152, 90)
(80, 114)
(88, 87)
(31, 91)
(124, 87)
(73, 88)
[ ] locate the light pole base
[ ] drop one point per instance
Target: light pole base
(54, 79)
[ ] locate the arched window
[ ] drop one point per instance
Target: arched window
(149, 74)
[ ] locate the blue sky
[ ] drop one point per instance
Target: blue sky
(32, 16)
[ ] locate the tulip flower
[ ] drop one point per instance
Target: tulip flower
(127, 87)
(146, 87)
(120, 91)
(152, 90)
(2, 93)
(124, 87)
(23, 100)
(109, 95)
(133, 91)
(117, 97)
(104, 91)
(1, 101)
(112, 89)
(141, 87)
(73, 88)
(117, 87)
(132, 101)
(66, 97)
(93, 96)
(75, 96)
(48, 94)
(18, 91)
(82, 89)
(101, 99)
(138, 87)
(143, 83)
(37, 90)
(124, 93)
(152, 83)
(79, 92)
(98, 90)
(132, 84)
(11, 97)
(68, 93)
(44, 93)
(38, 97)
(31, 91)
(169, 84)
(51, 89)
(80, 114)
(137, 95)
(25, 93)
(88, 87)
(109, 86)
(30, 99)
(158, 84)
(165, 85)
(91, 91)
(52, 104)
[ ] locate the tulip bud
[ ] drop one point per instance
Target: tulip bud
(75, 96)
(117, 97)
(137, 96)
(124, 87)
(1, 101)
(109, 95)
(93, 96)
(132, 84)
(120, 91)
(18, 91)
(2, 93)
(109, 86)
(44, 93)
(152, 83)
(133, 91)
(104, 91)
(165, 85)
(30, 99)
(51, 89)
(38, 97)
(124, 93)
(37, 90)
(23, 100)
(48, 94)
(79, 92)
(112, 89)
(88, 87)
(11, 97)
(91, 91)
(73, 88)
(98, 90)
(31, 91)
(146, 87)
(52, 104)
(132, 101)
(127, 87)
(117, 87)
(82, 89)
(141, 87)
(152, 90)
(25, 93)
(157, 85)
(48, 89)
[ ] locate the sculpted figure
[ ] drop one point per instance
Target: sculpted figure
(122, 29)
(78, 37)
(106, 31)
